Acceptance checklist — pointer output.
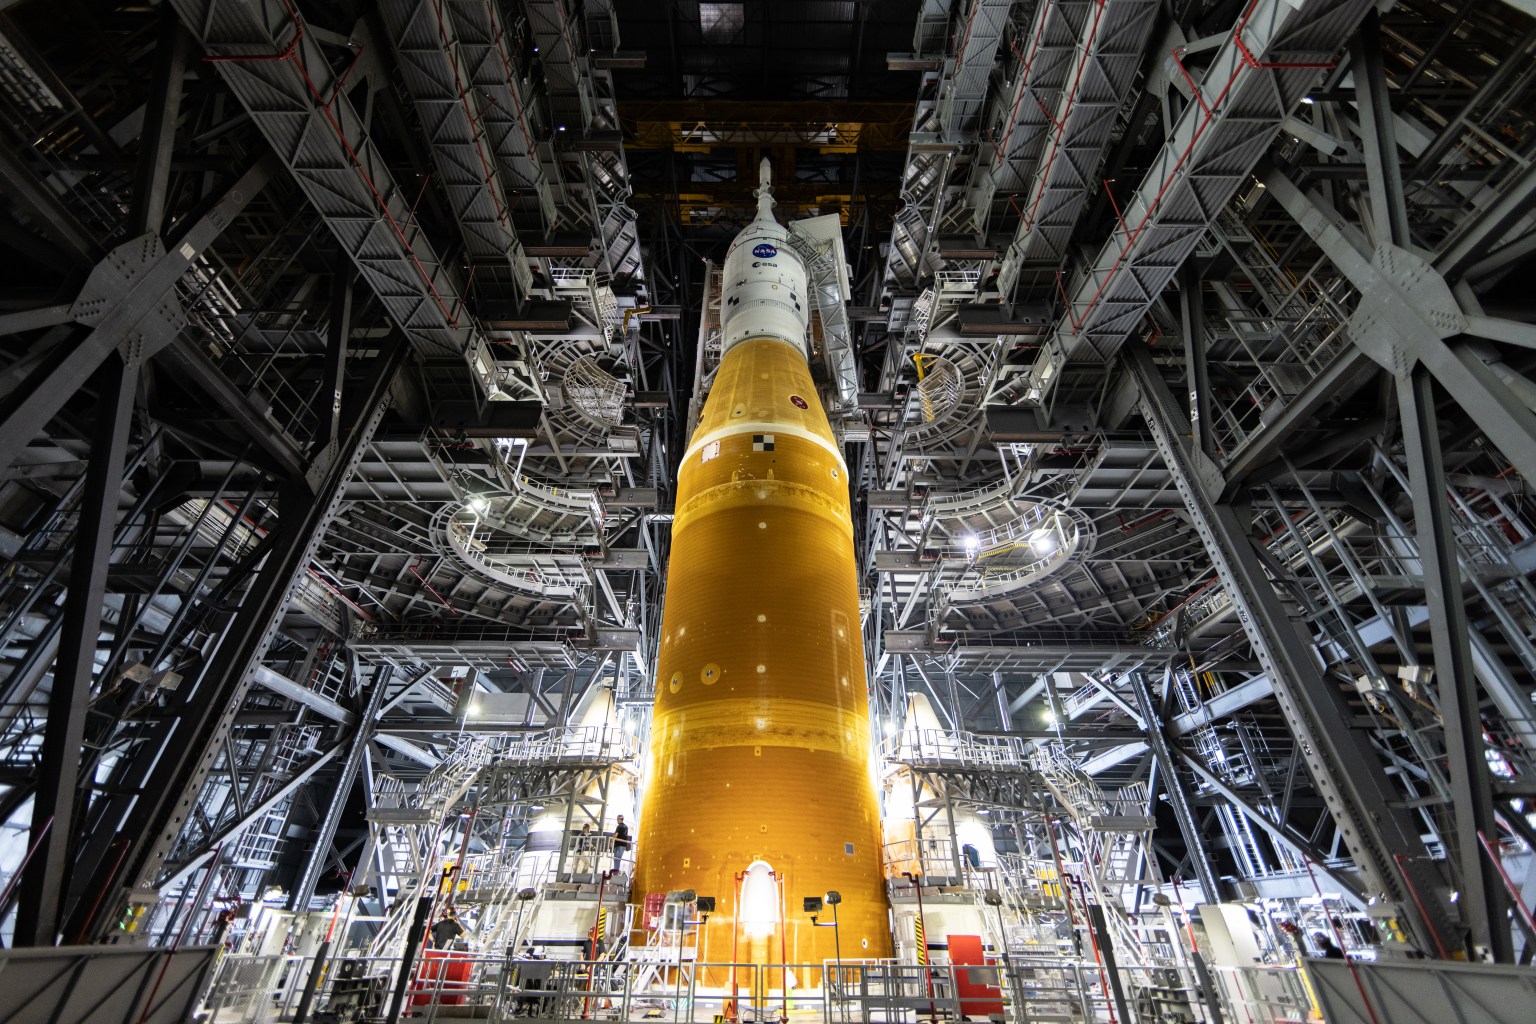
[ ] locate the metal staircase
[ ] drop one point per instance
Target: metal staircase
(1112, 831)
(407, 830)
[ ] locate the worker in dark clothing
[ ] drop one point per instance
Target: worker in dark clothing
(620, 842)
(1330, 949)
(446, 930)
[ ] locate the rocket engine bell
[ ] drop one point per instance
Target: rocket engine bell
(760, 739)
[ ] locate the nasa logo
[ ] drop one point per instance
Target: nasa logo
(798, 402)
(764, 251)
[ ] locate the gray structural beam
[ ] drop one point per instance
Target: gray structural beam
(1278, 832)
(432, 68)
(1482, 900)
(1343, 373)
(169, 771)
(942, 126)
(188, 357)
(44, 207)
(1192, 330)
(1379, 833)
(283, 77)
(56, 806)
(1271, 57)
(1407, 314)
(1384, 173)
(325, 833)
(1016, 135)
(251, 816)
(128, 300)
(1178, 797)
(1109, 52)
(157, 141)
(507, 117)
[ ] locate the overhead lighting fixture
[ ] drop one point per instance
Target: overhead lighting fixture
(1308, 100)
(1042, 541)
(972, 543)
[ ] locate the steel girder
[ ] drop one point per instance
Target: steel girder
(943, 124)
(565, 65)
(325, 832)
(1178, 796)
(253, 815)
(965, 87)
(1408, 313)
(509, 121)
(130, 303)
(1273, 55)
(43, 206)
(1108, 55)
(1381, 837)
(1483, 902)
(432, 67)
(281, 76)
(585, 112)
(1277, 831)
(54, 809)
(1018, 135)
(169, 770)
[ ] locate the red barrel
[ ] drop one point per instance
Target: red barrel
(442, 977)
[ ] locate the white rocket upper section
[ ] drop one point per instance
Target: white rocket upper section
(765, 292)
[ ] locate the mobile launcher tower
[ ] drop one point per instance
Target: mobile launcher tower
(759, 782)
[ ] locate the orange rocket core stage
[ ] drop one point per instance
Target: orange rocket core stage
(760, 741)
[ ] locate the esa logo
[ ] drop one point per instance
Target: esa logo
(764, 251)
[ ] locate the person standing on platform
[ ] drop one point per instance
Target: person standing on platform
(621, 843)
(446, 930)
(1327, 948)
(584, 850)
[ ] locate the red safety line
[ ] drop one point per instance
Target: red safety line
(341, 597)
(1509, 884)
(965, 40)
(251, 523)
(1413, 891)
(1066, 303)
(1024, 71)
(1118, 215)
(101, 893)
(1338, 937)
(1077, 80)
(1247, 61)
(440, 597)
(469, 114)
(506, 69)
(288, 53)
(345, 74)
(5, 897)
